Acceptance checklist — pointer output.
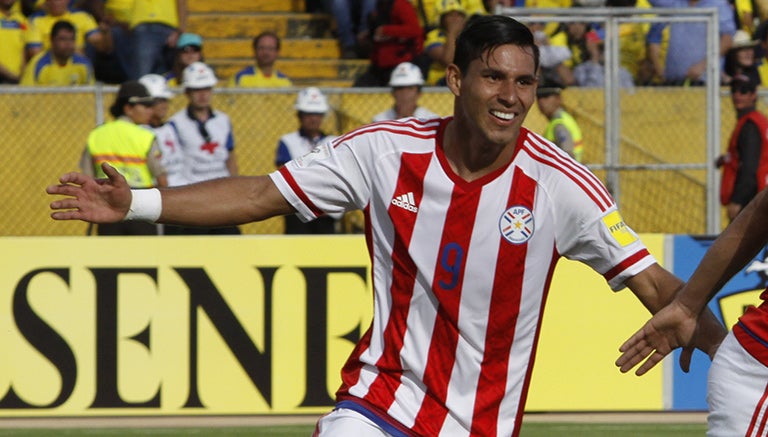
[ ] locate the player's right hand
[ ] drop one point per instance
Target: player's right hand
(92, 200)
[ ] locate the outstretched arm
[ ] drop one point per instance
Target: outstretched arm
(675, 325)
(219, 202)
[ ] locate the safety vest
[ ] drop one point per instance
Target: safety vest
(125, 146)
(732, 159)
(565, 119)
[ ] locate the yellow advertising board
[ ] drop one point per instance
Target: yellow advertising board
(249, 325)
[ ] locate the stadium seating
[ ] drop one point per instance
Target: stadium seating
(309, 53)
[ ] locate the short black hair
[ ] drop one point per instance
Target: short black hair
(62, 25)
(487, 32)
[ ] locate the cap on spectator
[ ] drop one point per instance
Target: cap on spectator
(311, 101)
(198, 75)
(133, 91)
(743, 84)
(156, 85)
(548, 88)
(741, 39)
(406, 74)
(189, 39)
(130, 92)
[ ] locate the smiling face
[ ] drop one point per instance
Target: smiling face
(495, 94)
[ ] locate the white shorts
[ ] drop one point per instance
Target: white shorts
(736, 392)
(346, 422)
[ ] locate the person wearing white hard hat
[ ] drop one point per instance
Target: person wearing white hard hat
(406, 82)
(206, 137)
(167, 137)
(311, 107)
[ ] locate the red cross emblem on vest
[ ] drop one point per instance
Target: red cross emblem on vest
(209, 147)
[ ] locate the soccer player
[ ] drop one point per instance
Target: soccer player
(466, 217)
(737, 380)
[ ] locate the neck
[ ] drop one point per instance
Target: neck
(201, 114)
(61, 60)
(266, 70)
(405, 110)
(472, 157)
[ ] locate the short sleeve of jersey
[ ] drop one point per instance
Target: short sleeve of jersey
(597, 236)
(587, 225)
(331, 179)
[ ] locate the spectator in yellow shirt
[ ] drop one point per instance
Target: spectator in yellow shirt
(266, 49)
(59, 65)
(87, 30)
(17, 42)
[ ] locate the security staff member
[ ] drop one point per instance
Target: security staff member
(129, 148)
(562, 128)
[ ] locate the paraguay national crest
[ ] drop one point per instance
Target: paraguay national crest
(516, 224)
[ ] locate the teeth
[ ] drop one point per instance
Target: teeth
(503, 115)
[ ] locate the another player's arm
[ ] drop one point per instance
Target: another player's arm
(656, 287)
(675, 325)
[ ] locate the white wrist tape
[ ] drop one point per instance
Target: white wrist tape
(146, 205)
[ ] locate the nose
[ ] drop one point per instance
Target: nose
(508, 92)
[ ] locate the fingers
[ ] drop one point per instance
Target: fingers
(650, 363)
(67, 215)
(63, 189)
(685, 358)
(110, 171)
(633, 356)
(73, 178)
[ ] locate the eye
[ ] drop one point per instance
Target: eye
(526, 81)
(493, 76)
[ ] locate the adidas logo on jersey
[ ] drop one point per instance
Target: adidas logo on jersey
(406, 201)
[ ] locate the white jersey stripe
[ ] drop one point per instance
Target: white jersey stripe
(568, 163)
(581, 176)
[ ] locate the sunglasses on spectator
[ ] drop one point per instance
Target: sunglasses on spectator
(742, 88)
(190, 49)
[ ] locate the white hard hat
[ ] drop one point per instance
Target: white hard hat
(311, 100)
(406, 74)
(198, 75)
(156, 85)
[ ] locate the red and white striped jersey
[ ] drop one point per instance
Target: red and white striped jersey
(460, 270)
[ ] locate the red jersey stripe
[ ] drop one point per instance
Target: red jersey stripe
(759, 409)
(299, 192)
(629, 261)
(410, 179)
(447, 285)
(503, 313)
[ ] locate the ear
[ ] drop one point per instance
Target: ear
(453, 79)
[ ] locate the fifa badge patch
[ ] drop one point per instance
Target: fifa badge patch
(516, 224)
(322, 151)
(619, 231)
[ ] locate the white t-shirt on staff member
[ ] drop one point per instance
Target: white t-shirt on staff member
(207, 145)
(173, 158)
(390, 114)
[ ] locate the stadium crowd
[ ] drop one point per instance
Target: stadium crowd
(125, 39)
